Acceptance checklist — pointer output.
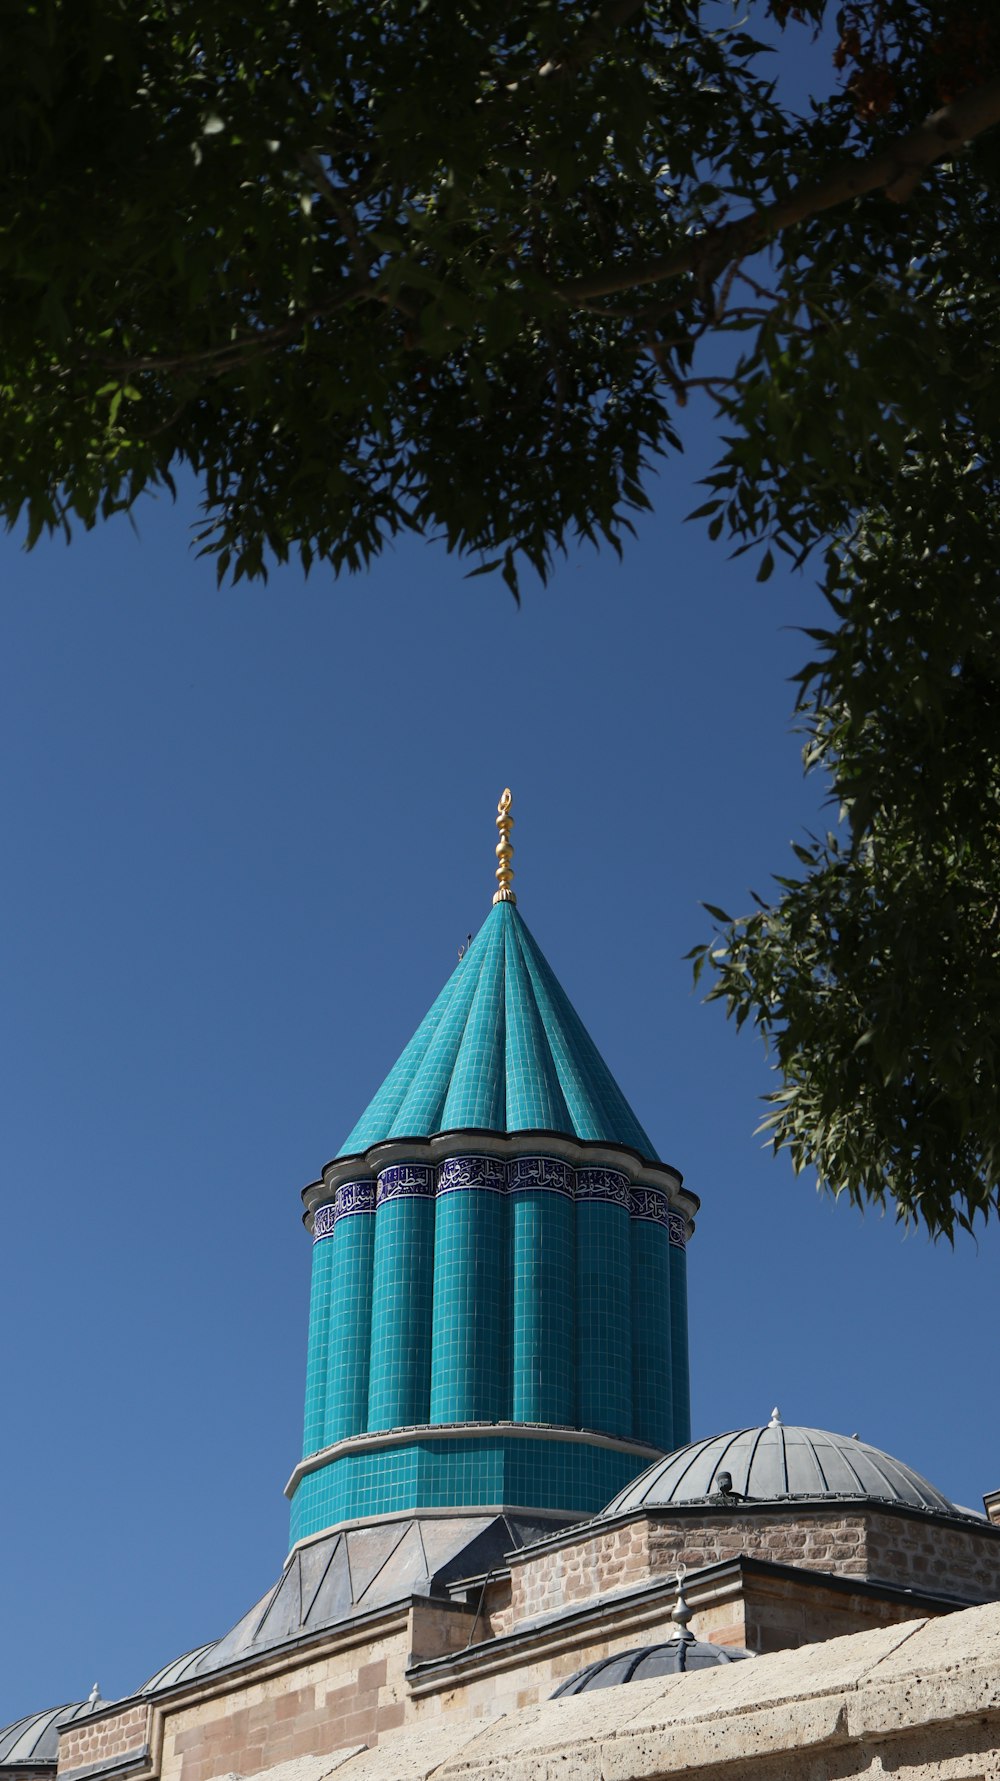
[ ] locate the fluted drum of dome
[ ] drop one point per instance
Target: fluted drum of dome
(679, 1329)
(603, 1301)
(470, 1372)
(319, 1331)
(543, 1335)
(402, 1297)
(352, 1246)
(652, 1346)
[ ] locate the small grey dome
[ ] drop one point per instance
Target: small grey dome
(33, 1742)
(675, 1657)
(776, 1463)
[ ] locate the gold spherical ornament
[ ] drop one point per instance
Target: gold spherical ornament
(505, 851)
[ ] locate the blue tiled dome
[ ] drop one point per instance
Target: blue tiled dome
(501, 1050)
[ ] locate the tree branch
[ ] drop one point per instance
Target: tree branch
(895, 171)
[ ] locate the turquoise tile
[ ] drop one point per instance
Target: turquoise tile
(501, 1049)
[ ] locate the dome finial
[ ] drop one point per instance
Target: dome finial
(681, 1613)
(505, 851)
(775, 1421)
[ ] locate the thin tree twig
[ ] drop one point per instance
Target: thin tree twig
(342, 210)
(894, 170)
(601, 22)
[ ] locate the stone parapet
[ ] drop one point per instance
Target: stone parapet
(920, 1701)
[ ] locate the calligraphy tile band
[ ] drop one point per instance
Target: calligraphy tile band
(490, 1174)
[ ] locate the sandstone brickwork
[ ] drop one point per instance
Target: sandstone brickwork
(99, 1742)
(889, 1545)
(571, 1571)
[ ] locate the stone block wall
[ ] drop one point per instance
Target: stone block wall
(90, 1742)
(777, 1617)
(480, 1686)
(283, 1707)
(349, 1697)
(927, 1554)
(574, 1571)
(914, 1551)
(754, 1611)
(919, 1703)
(818, 1542)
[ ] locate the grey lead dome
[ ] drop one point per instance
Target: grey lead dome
(674, 1657)
(34, 1740)
(775, 1463)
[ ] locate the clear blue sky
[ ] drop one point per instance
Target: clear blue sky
(246, 832)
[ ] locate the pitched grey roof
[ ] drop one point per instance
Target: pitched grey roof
(352, 1571)
(775, 1463)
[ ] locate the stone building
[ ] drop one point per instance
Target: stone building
(498, 1497)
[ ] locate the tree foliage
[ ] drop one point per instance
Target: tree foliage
(875, 973)
(440, 267)
(458, 269)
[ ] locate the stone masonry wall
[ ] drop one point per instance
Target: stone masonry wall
(574, 1572)
(778, 1617)
(352, 1696)
(359, 1690)
(770, 1614)
(104, 1740)
(825, 1542)
(919, 1703)
(915, 1551)
(926, 1555)
(483, 1691)
(274, 1712)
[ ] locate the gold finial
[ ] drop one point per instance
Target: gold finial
(505, 851)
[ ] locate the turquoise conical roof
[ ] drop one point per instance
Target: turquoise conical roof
(502, 1050)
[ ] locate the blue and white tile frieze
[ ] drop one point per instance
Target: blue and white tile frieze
(324, 1219)
(522, 1174)
(540, 1174)
(609, 1185)
(355, 1196)
(406, 1181)
(486, 1172)
(350, 1197)
(651, 1206)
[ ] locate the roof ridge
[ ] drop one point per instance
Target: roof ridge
(458, 1110)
